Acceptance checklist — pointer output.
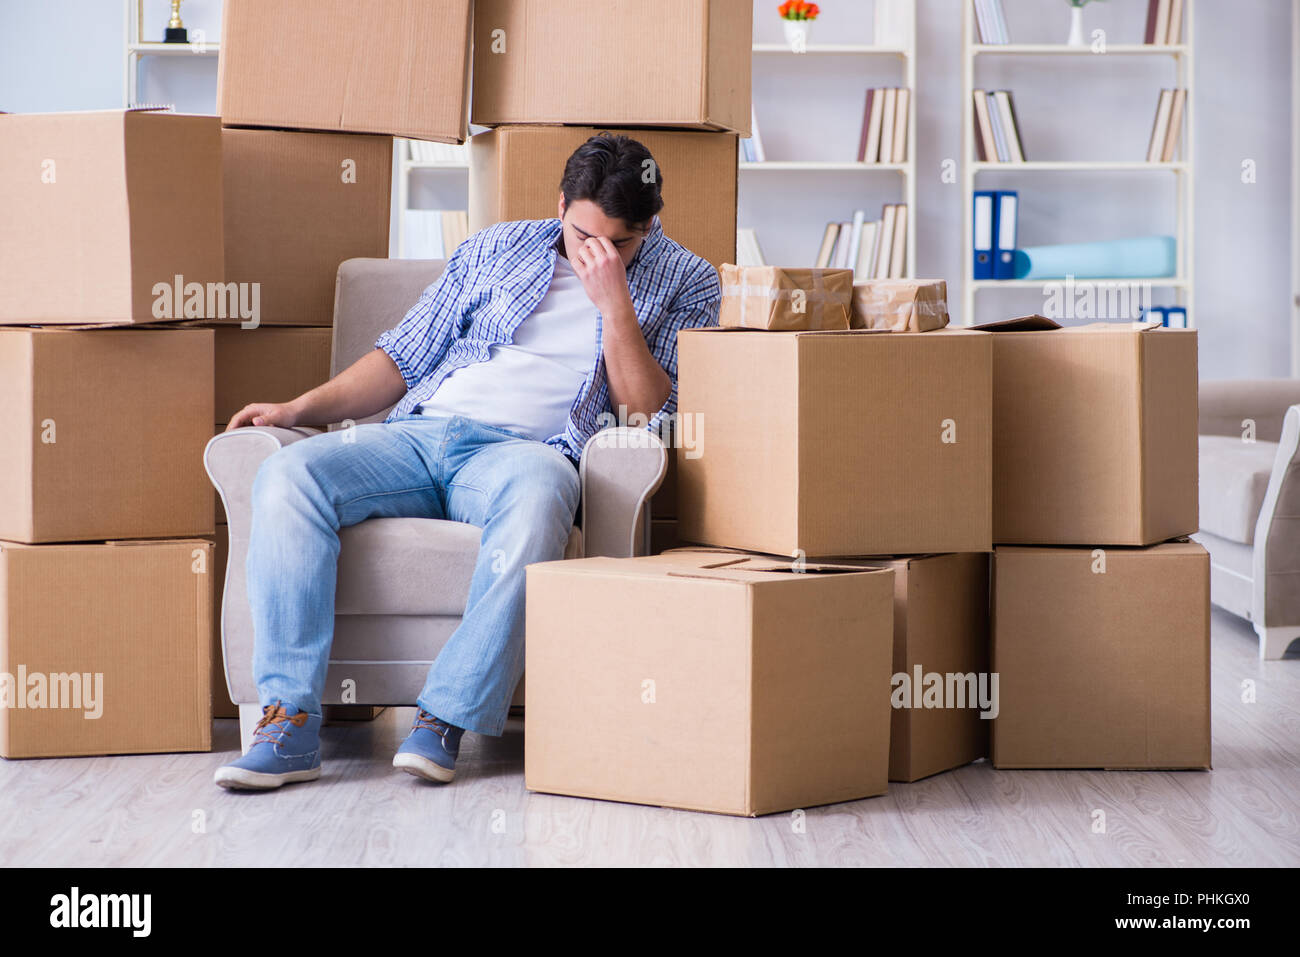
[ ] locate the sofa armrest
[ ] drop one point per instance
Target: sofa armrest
(1276, 600)
(232, 459)
(621, 468)
(1225, 404)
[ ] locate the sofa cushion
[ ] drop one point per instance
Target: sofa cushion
(1234, 478)
(410, 566)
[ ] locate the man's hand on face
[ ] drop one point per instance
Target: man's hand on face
(600, 267)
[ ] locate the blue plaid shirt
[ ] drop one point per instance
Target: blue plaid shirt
(497, 277)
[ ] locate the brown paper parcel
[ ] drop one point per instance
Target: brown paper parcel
(900, 305)
(785, 300)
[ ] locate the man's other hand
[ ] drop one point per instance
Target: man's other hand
(265, 413)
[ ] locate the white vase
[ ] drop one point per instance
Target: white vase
(796, 34)
(1076, 27)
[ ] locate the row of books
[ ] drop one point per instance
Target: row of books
(1168, 126)
(997, 133)
(434, 233)
(997, 212)
(991, 22)
(1164, 22)
(884, 126)
(425, 152)
(1171, 317)
(873, 250)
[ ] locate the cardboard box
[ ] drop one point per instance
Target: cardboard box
(102, 433)
(941, 683)
(782, 300)
(1103, 657)
(1094, 433)
(101, 208)
(400, 67)
(104, 648)
(836, 443)
(268, 365)
(555, 61)
(222, 706)
(740, 687)
(515, 173)
(900, 305)
(296, 206)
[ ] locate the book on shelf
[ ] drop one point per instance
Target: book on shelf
(1168, 126)
(751, 147)
(748, 252)
(997, 131)
(1164, 22)
(991, 22)
(873, 250)
(421, 151)
(885, 121)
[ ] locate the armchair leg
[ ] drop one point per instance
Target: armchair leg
(1273, 642)
(249, 715)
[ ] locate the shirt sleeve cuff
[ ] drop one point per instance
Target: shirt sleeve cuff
(389, 346)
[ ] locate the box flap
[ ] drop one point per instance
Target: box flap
(1033, 323)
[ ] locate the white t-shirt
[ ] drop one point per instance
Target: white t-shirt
(529, 385)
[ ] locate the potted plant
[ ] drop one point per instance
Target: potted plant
(1076, 22)
(797, 16)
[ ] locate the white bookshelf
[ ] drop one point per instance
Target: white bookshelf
(1181, 169)
(137, 48)
(846, 171)
(405, 170)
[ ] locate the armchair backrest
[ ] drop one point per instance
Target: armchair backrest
(1226, 403)
(371, 295)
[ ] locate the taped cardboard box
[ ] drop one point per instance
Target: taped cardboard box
(222, 706)
(836, 443)
(1103, 657)
(103, 212)
(900, 305)
(102, 433)
(747, 689)
(296, 206)
(104, 649)
(943, 696)
(515, 173)
(1094, 433)
(555, 61)
(780, 299)
(400, 67)
(268, 365)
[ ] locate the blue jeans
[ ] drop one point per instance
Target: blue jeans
(522, 493)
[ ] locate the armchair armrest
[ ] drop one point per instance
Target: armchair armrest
(1224, 404)
(232, 460)
(1276, 600)
(621, 468)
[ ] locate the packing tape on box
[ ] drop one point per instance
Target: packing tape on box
(818, 296)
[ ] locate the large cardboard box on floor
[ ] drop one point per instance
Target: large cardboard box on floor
(515, 173)
(104, 648)
(707, 681)
(677, 63)
(268, 365)
(836, 443)
(942, 694)
(102, 433)
(1103, 657)
(1094, 433)
(296, 206)
(399, 67)
(222, 706)
(103, 211)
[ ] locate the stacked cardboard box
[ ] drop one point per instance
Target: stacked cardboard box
(112, 220)
(1100, 606)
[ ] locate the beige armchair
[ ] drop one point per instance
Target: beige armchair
(403, 582)
(1250, 504)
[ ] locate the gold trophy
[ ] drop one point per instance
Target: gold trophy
(175, 32)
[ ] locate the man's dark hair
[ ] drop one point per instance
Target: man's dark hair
(616, 173)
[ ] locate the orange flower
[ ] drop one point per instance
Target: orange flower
(784, 9)
(813, 10)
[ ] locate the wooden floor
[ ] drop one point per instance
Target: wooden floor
(164, 809)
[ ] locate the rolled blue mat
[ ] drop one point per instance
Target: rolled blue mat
(1146, 256)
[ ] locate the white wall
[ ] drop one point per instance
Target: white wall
(67, 54)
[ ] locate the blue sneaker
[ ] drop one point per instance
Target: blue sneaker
(430, 750)
(285, 749)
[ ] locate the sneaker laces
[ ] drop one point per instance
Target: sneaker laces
(424, 720)
(275, 722)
